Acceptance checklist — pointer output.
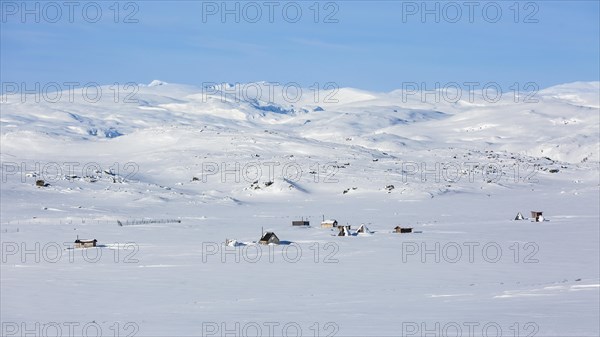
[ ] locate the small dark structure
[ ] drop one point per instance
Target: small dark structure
(85, 243)
(363, 229)
(399, 229)
(40, 183)
(301, 223)
(344, 231)
(537, 216)
(329, 224)
(519, 216)
(269, 237)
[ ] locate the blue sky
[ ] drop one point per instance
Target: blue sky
(374, 45)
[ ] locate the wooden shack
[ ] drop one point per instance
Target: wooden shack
(399, 229)
(537, 216)
(85, 243)
(329, 224)
(268, 238)
(301, 223)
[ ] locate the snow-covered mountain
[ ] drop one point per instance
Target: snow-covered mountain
(227, 160)
(558, 122)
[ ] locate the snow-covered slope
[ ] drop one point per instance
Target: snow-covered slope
(227, 164)
(558, 122)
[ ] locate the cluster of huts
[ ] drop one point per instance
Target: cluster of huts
(346, 230)
(343, 230)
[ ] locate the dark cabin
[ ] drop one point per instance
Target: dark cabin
(85, 243)
(301, 223)
(399, 229)
(269, 237)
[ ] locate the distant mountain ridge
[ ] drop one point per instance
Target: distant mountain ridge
(562, 121)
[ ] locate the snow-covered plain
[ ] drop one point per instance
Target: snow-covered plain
(229, 166)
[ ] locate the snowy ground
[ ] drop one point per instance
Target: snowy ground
(469, 270)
